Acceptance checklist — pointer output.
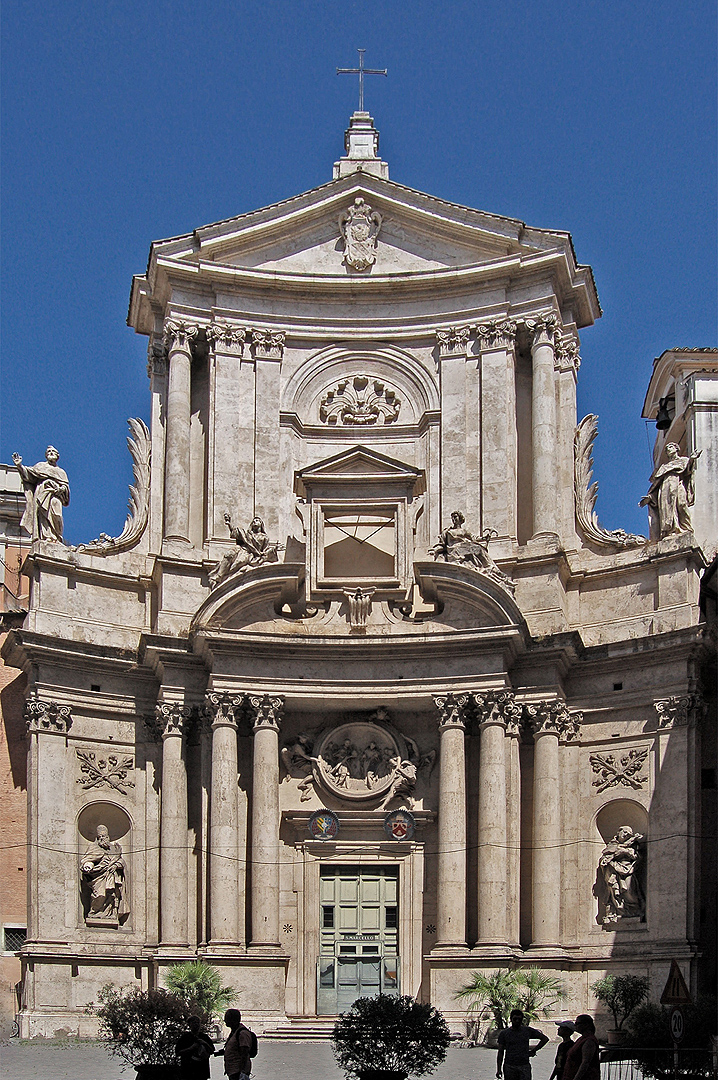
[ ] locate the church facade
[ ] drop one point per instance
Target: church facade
(363, 698)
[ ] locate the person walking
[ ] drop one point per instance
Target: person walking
(194, 1049)
(239, 1049)
(514, 1048)
(583, 1061)
(565, 1031)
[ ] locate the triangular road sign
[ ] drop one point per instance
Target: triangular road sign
(675, 991)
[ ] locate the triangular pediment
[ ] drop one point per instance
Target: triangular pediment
(418, 233)
(359, 463)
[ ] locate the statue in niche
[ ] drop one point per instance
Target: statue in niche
(671, 492)
(103, 881)
(618, 888)
(458, 545)
(253, 549)
(47, 490)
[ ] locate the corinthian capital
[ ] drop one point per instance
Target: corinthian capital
(496, 334)
(268, 344)
(223, 710)
(547, 717)
(179, 335)
(226, 338)
(156, 357)
(566, 356)
(678, 711)
(498, 707)
(453, 710)
(268, 710)
(544, 329)
(171, 718)
(47, 716)
(454, 341)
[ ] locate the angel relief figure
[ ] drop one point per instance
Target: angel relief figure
(253, 549)
(360, 227)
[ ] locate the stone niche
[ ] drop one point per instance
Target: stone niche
(621, 882)
(119, 826)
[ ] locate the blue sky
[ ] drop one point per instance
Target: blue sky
(125, 122)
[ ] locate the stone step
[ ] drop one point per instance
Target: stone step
(300, 1029)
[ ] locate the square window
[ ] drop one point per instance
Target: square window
(14, 938)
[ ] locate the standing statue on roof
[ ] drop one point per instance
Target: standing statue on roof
(47, 490)
(671, 492)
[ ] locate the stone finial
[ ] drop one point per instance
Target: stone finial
(179, 335)
(268, 711)
(139, 443)
(454, 341)
(544, 329)
(226, 338)
(453, 710)
(496, 334)
(497, 707)
(47, 716)
(223, 709)
(268, 344)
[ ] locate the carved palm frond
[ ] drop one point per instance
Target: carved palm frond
(586, 492)
(140, 446)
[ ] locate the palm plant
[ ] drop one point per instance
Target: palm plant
(533, 991)
(199, 985)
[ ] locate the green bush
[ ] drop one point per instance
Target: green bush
(141, 1026)
(392, 1033)
(649, 1024)
(200, 987)
(622, 994)
(533, 991)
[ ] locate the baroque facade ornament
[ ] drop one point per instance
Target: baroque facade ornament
(362, 761)
(268, 344)
(268, 710)
(253, 548)
(671, 492)
(359, 601)
(360, 227)
(224, 709)
(47, 716)
(103, 876)
(498, 707)
(585, 492)
(548, 717)
(139, 443)
(171, 718)
(544, 329)
(496, 334)
(179, 335)
(454, 341)
(453, 710)
(226, 338)
(677, 711)
(111, 770)
(457, 545)
(156, 357)
(615, 771)
(360, 400)
(567, 357)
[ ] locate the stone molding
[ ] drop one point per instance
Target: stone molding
(180, 335)
(454, 341)
(453, 710)
(226, 338)
(268, 344)
(498, 707)
(111, 770)
(268, 711)
(223, 709)
(544, 330)
(47, 716)
(359, 400)
(679, 711)
(496, 334)
(613, 770)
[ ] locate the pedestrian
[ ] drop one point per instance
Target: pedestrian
(566, 1029)
(194, 1049)
(240, 1047)
(514, 1049)
(583, 1060)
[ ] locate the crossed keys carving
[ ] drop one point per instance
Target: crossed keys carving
(111, 770)
(624, 771)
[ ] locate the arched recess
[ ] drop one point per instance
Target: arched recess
(401, 371)
(610, 819)
(119, 826)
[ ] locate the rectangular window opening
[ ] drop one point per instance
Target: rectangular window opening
(327, 917)
(14, 938)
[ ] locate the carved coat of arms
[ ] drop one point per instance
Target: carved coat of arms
(360, 227)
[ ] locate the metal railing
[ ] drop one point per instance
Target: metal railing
(652, 1063)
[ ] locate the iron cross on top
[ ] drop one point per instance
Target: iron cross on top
(361, 71)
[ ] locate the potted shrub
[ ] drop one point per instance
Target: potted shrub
(142, 1027)
(622, 994)
(493, 996)
(389, 1038)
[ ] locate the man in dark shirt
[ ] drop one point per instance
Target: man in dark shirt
(514, 1049)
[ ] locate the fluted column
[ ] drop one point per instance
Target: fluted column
(265, 821)
(451, 880)
(543, 426)
(494, 711)
(173, 719)
(178, 337)
(547, 720)
(223, 899)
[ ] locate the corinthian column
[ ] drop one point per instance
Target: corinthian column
(178, 337)
(265, 822)
(543, 426)
(547, 719)
(223, 898)
(494, 710)
(451, 881)
(173, 719)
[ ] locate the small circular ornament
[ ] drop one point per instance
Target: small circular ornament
(324, 825)
(400, 825)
